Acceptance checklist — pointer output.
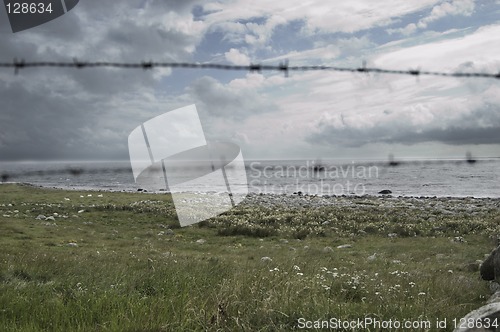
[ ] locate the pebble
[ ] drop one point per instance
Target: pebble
(344, 246)
(327, 249)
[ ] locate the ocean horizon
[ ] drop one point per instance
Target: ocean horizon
(406, 177)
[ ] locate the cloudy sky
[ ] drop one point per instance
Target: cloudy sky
(70, 114)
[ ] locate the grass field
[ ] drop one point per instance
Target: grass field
(119, 262)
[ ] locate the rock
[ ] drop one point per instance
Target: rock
(266, 259)
(385, 192)
(392, 235)
(72, 244)
(344, 246)
(327, 249)
(372, 257)
(490, 268)
(458, 239)
(50, 218)
(494, 287)
(490, 311)
(200, 241)
(494, 298)
(41, 217)
(168, 231)
(81, 211)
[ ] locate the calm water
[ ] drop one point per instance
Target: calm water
(417, 178)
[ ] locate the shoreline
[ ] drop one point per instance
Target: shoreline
(253, 194)
(446, 205)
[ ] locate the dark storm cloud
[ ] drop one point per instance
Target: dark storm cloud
(65, 113)
(482, 126)
(452, 136)
(34, 126)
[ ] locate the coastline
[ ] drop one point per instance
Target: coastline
(266, 194)
(295, 216)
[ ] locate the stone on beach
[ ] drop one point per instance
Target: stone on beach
(344, 246)
(385, 192)
(489, 311)
(41, 217)
(266, 259)
(490, 268)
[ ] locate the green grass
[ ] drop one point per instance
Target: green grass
(127, 274)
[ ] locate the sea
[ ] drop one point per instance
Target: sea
(426, 177)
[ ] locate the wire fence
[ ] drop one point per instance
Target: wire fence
(283, 67)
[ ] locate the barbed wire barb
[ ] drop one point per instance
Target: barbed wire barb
(281, 67)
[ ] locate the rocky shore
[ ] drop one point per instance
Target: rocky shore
(446, 205)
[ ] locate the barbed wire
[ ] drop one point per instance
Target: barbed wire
(283, 67)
